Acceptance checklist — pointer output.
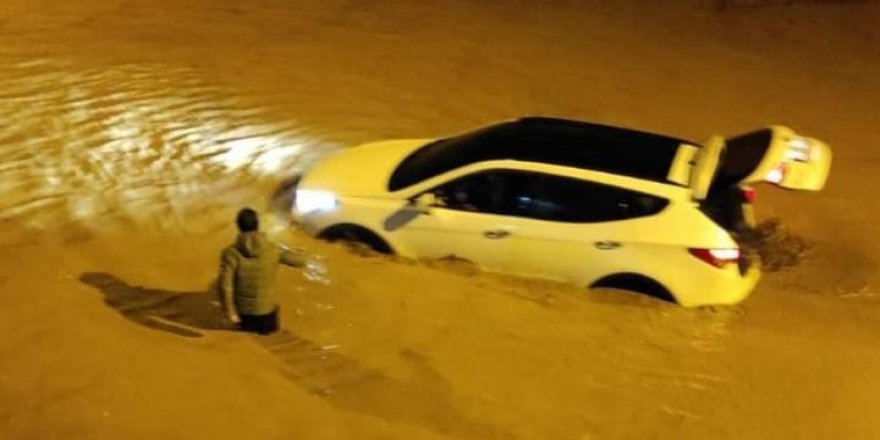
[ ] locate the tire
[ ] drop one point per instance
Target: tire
(638, 284)
(357, 235)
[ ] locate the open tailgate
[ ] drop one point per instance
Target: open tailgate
(777, 155)
(773, 154)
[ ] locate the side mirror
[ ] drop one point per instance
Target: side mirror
(423, 203)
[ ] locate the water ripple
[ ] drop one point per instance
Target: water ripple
(133, 140)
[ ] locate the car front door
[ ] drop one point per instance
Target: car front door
(465, 222)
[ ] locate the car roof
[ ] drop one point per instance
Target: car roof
(553, 141)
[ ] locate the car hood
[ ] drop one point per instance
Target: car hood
(360, 171)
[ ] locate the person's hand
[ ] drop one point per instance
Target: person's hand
(233, 318)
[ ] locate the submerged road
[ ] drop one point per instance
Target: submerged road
(136, 123)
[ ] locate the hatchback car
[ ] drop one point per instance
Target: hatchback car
(595, 205)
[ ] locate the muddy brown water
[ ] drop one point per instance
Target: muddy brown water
(141, 119)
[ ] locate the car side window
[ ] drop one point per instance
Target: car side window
(474, 193)
(545, 197)
(578, 201)
(491, 192)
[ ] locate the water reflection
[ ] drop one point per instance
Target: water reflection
(133, 140)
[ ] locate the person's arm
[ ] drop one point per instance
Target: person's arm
(293, 257)
(228, 266)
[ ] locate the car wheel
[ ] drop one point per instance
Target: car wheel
(636, 283)
(357, 236)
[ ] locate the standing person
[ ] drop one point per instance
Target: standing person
(247, 276)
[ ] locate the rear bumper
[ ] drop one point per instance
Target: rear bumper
(711, 286)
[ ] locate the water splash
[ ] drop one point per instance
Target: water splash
(316, 270)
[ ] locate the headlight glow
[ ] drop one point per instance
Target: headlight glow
(311, 200)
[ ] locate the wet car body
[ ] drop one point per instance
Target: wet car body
(595, 205)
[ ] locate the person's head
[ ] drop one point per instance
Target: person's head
(247, 220)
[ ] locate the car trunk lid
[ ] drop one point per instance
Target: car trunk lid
(777, 155)
(773, 154)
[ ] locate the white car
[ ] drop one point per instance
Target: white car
(595, 205)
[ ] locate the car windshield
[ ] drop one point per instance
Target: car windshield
(551, 141)
(444, 155)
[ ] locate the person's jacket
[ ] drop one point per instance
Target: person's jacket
(247, 273)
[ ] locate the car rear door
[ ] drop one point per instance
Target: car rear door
(579, 230)
(775, 154)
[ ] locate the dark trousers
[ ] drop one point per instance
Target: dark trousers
(262, 324)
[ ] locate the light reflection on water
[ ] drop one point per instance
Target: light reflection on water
(133, 140)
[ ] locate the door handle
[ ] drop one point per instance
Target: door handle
(607, 245)
(496, 234)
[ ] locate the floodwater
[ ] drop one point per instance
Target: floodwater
(133, 131)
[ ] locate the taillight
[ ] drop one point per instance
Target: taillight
(777, 174)
(716, 257)
(749, 194)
